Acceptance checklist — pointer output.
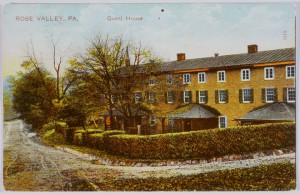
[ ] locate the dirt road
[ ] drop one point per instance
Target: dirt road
(30, 166)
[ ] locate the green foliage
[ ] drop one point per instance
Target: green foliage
(32, 97)
(52, 138)
(273, 177)
(203, 144)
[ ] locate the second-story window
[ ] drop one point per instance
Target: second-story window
(269, 73)
(186, 78)
(246, 95)
(221, 76)
(291, 95)
(201, 77)
(245, 74)
(152, 81)
(290, 72)
(152, 97)
(221, 96)
(187, 96)
(169, 79)
(269, 95)
(202, 95)
(170, 97)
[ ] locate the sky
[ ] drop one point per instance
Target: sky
(198, 30)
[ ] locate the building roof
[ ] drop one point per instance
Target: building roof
(193, 111)
(279, 111)
(278, 55)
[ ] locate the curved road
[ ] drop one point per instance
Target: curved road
(29, 166)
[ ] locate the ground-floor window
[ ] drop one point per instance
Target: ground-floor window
(152, 120)
(222, 121)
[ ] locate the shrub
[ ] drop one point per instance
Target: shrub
(203, 144)
(98, 140)
(53, 138)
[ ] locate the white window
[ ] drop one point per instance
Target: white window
(201, 77)
(169, 79)
(202, 96)
(222, 96)
(221, 76)
(222, 121)
(270, 94)
(152, 97)
(291, 94)
(269, 73)
(245, 74)
(186, 96)
(138, 97)
(246, 95)
(186, 78)
(290, 72)
(152, 81)
(170, 96)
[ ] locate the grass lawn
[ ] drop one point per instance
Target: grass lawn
(273, 177)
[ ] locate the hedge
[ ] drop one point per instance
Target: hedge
(93, 138)
(203, 144)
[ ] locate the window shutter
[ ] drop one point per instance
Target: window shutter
(197, 96)
(166, 97)
(251, 95)
(190, 93)
(263, 95)
(227, 97)
(241, 95)
(284, 94)
(216, 96)
(206, 96)
(147, 96)
(182, 96)
(173, 93)
(275, 95)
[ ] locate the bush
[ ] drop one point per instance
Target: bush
(203, 144)
(93, 137)
(53, 138)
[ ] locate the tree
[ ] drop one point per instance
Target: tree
(54, 95)
(116, 68)
(32, 96)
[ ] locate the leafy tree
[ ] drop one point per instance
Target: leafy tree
(32, 96)
(115, 68)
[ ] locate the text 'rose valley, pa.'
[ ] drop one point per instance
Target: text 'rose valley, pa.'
(45, 18)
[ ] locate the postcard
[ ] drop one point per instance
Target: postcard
(149, 96)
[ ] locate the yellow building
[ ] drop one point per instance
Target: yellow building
(222, 91)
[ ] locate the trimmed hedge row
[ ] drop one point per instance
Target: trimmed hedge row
(94, 139)
(202, 144)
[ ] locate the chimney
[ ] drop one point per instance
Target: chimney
(252, 48)
(216, 54)
(180, 56)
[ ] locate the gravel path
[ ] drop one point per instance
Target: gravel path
(29, 166)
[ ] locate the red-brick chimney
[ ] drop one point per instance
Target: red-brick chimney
(252, 48)
(180, 56)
